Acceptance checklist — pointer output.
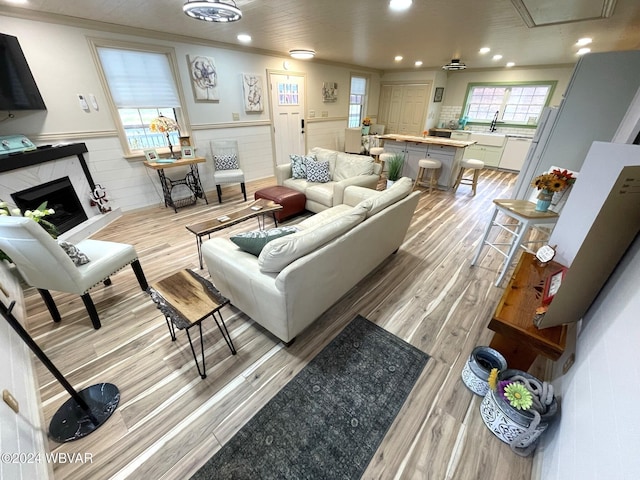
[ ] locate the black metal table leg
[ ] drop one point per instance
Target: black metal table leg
(225, 333)
(203, 373)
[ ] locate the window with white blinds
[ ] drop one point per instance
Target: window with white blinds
(141, 82)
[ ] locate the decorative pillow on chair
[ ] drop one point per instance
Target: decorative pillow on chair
(318, 172)
(299, 165)
(226, 162)
(75, 255)
(253, 242)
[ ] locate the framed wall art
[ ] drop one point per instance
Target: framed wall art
(204, 77)
(329, 92)
(437, 97)
(252, 87)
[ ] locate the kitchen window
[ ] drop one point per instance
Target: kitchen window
(141, 84)
(357, 100)
(517, 104)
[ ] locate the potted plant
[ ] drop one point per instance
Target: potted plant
(366, 125)
(394, 168)
(36, 215)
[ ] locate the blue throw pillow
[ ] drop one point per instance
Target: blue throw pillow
(253, 242)
(318, 172)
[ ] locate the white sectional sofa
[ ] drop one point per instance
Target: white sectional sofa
(345, 169)
(299, 276)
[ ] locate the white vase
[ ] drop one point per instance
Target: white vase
(390, 182)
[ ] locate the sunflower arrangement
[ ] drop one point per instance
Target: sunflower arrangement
(366, 122)
(555, 181)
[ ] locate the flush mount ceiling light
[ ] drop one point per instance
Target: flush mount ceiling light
(455, 64)
(301, 54)
(219, 11)
(399, 5)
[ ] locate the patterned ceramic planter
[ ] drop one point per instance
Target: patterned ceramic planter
(476, 371)
(508, 423)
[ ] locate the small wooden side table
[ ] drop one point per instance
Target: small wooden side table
(186, 299)
(191, 180)
(516, 337)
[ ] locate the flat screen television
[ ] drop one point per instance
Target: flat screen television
(18, 89)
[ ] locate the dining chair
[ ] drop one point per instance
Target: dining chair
(226, 164)
(45, 265)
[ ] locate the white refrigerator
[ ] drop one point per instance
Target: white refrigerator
(599, 93)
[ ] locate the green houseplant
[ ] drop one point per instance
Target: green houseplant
(394, 168)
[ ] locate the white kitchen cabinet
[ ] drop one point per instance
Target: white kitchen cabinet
(488, 154)
(515, 153)
(464, 136)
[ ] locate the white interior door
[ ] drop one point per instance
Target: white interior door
(287, 112)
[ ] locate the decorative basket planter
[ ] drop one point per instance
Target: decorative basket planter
(511, 425)
(476, 371)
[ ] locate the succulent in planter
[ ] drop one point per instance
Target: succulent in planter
(394, 166)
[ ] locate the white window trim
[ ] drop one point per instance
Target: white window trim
(182, 116)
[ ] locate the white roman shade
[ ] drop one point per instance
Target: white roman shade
(139, 79)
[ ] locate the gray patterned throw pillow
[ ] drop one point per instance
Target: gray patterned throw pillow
(226, 162)
(253, 242)
(318, 172)
(76, 256)
(299, 165)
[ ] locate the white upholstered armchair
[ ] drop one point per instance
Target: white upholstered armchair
(226, 164)
(44, 264)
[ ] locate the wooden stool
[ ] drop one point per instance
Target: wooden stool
(473, 164)
(427, 164)
(375, 152)
(383, 158)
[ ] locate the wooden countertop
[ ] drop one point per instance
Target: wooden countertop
(178, 163)
(513, 317)
(429, 140)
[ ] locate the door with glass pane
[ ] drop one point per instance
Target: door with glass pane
(287, 113)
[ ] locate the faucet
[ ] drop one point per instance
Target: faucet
(492, 127)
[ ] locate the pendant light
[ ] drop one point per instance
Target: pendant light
(219, 11)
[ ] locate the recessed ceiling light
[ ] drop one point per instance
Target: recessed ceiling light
(583, 41)
(418, 63)
(399, 5)
(497, 57)
(398, 58)
(301, 54)
(510, 64)
(484, 50)
(582, 51)
(244, 38)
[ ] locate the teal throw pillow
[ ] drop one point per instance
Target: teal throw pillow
(253, 242)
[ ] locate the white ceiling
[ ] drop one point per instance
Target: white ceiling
(367, 33)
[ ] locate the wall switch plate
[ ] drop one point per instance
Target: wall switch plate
(94, 101)
(325, 113)
(312, 113)
(11, 401)
(83, 102)
(236, 116)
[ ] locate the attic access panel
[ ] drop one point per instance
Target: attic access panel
(537, 13)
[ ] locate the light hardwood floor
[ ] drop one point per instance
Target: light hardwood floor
(169, 421)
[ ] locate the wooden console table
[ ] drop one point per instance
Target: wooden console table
(191, 180)
(516, 337)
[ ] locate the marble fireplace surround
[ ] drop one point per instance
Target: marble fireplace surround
(29, 169)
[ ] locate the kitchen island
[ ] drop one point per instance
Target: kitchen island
(448, 151)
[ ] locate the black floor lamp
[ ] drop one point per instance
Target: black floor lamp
(86, 410)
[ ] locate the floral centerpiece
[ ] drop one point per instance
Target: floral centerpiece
(549, 183)
(36, 215)
(366, 122)
(517, 408)
(164, 125)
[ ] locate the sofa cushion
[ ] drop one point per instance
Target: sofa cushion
(299, 184)
(398, 191)
(325, 155)
(279, 253)
(321, 193)
(348, 165)
(323, 217)
(318, 172)
(299, 165)
(254, 241)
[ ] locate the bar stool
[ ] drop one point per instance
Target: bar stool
(383, 158)
(375, 152)
(472, 164)
(425, 164)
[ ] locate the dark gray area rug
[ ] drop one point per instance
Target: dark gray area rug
(329, 420)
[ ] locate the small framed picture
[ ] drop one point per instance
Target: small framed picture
(187, 152)
(437, 97)
(151, 155)
(185, 141)
(552, 285)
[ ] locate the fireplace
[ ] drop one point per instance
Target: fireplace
(59, 195)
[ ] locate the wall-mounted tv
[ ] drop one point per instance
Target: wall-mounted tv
(18, 89)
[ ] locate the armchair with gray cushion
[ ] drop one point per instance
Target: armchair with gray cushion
(44, 264)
